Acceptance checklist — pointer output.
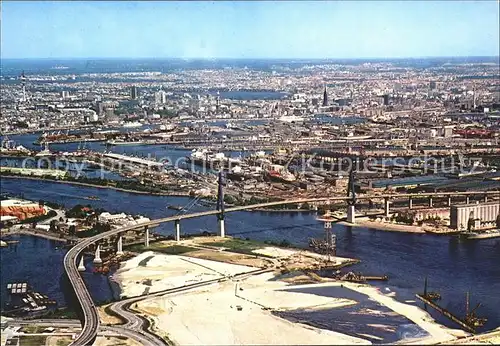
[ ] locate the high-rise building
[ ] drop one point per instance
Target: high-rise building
(386, 100)
(432, 85)
(23, 85)
(160, 97)
(99, 107)
(217, 103)
(325, 97)
(133, 92)
(474, 97)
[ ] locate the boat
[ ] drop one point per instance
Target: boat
(93, 198)
(281, 176)
(45, 152)
(207, 159)
(291, 119)
(175, 207)
(167, 127)
(132, 124)
(122, 142)
(483, 235)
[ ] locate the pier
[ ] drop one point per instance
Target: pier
(446, 313)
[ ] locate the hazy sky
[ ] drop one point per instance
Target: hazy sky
(264, 29)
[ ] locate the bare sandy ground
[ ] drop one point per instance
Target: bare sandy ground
(113, 341)
(162, 272)
(488, 338)
(212, 317)
(238, 312)
(437, 332)
(191, 318)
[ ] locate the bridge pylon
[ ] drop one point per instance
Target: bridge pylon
(220, 204)
(146, 241)
(351, 192)
(97, 257)
(177, 230)
(81, 266)
(119, 246)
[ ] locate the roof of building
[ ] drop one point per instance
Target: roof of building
(419, 180)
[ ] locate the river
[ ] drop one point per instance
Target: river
(452, 266)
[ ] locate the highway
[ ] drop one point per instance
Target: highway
(142, 338)
(138, 324)
(91, 321)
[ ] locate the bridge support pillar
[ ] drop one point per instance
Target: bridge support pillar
(97, 257)
(430, 202)
(222, 229)
(119, 246)
(351, 214)
(387, 204)
(410, 203)
(146, 242)
(81, 266)
(467, 200)
(449, 201)
(177, 230)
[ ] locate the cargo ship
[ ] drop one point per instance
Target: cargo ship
(207, 159)
(123, 142)
(132, 124)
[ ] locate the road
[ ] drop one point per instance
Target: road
(118, 330)
(138, 323)
(135, 326)
(59, 213)
(91, 321)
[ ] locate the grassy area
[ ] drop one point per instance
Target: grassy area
(32, 329)
(36, 340)
(237, 244)
(169, 249)
(63, 313)
(242, 246)
(63, 341)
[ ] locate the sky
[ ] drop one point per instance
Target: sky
(256, 29)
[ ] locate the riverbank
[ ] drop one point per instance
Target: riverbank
(384, 226)
(41, 234)
(172, 194)
(265, 210)
(243, 310)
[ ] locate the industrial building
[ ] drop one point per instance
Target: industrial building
(484, 214)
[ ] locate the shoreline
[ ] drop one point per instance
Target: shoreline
(4, 234)
(172, 194)
(360, 222)
(258, 291)
(263, 210)
(385, 226)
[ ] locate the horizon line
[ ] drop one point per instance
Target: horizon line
(254, 58)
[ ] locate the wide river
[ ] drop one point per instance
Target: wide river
(453, 267)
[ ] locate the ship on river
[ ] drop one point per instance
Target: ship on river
(494, 233)
(116, 142)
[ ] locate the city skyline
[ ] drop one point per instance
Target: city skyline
(294, 30)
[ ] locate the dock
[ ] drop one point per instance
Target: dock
(446, 313)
